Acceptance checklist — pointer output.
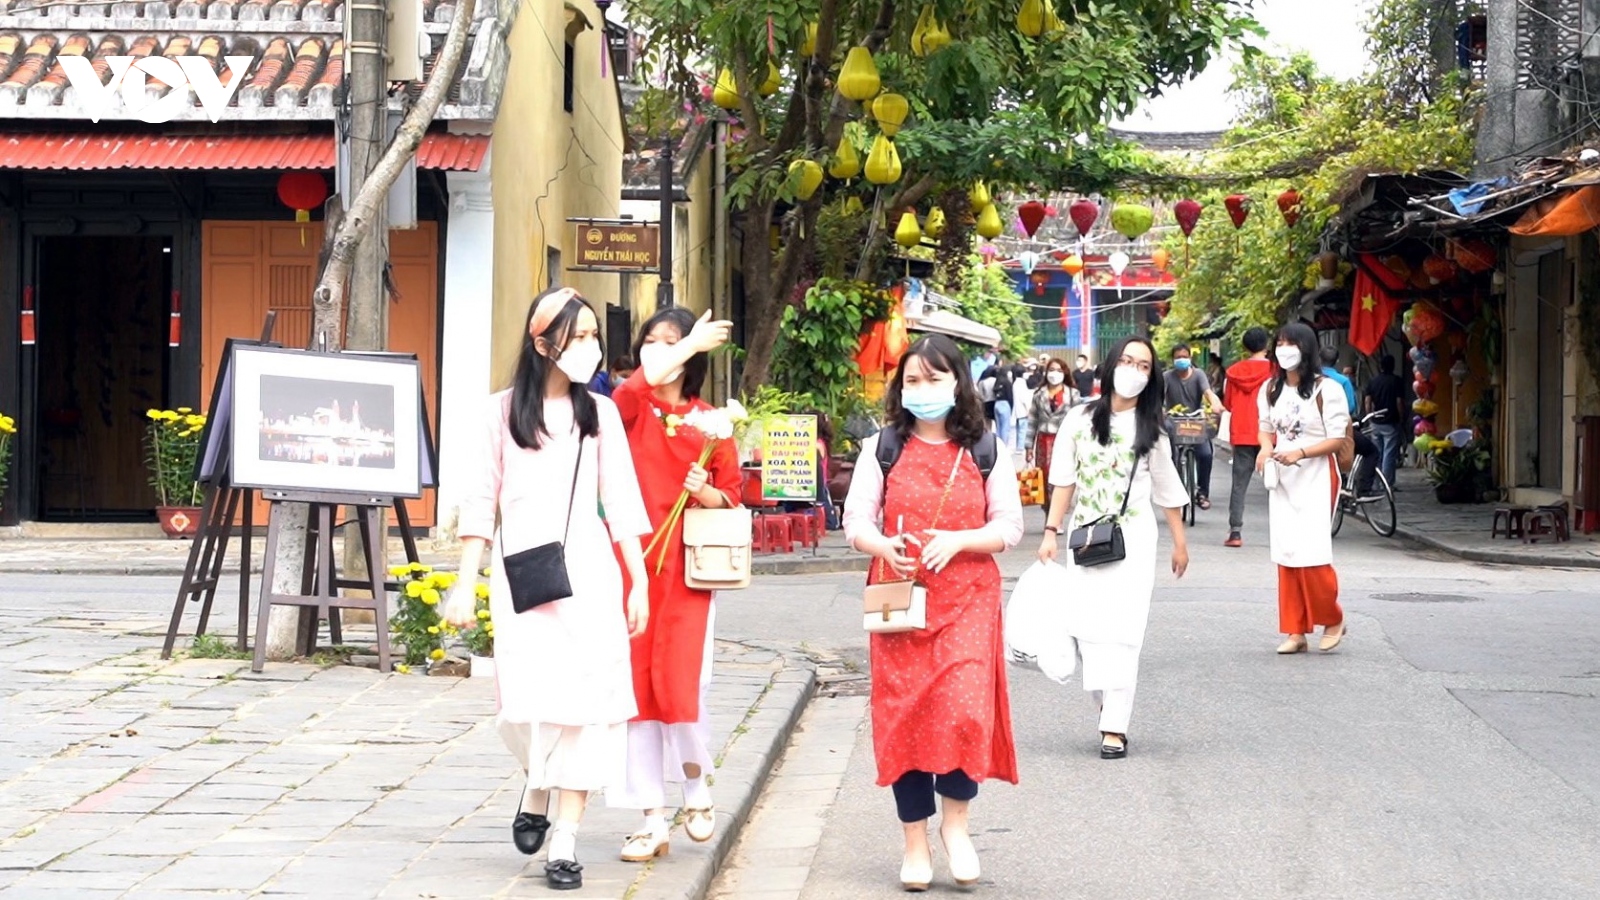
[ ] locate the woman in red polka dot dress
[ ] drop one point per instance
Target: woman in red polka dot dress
(941, 717)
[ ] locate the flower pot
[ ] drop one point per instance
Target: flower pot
(179, 521)
(482, 667)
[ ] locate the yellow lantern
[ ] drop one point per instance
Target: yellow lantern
(808, 46)
(853, 207)
(978, 196)
(846, 163)
(926, 24)
(773, 82)
(883, 162)
(1030, 19)
(989, 225)
(890, 110)
(936, 39)
(1052, 22)
(935, 223)
(805, 176)
(726, 92)
(858, 80)
(907, 234)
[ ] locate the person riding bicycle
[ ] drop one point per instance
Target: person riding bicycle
(1189, 390)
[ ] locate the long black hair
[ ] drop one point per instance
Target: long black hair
(527, 385)
(694, 371)
(1149, 414)
(965, 424)
(1301, 335)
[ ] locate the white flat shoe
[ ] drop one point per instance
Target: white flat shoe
(700, 824)
(644, 846)
(964, 866)
(915, 876)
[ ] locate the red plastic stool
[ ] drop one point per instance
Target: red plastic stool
(804, 527)
(776, 533)
(820, 515)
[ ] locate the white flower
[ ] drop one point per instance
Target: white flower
(715, 424)
(737, 413)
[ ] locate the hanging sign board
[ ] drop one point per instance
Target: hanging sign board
(616, 247)
(789, 458)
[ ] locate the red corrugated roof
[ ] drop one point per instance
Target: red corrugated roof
(98, 151)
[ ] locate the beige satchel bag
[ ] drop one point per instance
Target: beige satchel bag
(716, 548)
(893, 607)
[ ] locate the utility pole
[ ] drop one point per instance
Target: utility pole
(664, 254)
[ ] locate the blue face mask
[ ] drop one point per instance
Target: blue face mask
(1181, 364)
(930, 404)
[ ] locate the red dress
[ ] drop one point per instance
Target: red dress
(939, 698)
(667, 657)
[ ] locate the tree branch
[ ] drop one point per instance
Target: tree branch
(913, 193)
(327, 300)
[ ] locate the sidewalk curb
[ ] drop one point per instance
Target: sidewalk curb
(1494, 557)
(739, 782)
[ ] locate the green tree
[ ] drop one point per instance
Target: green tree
(988, 296)
(992, 104)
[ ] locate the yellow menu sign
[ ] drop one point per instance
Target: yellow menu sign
(789, 458)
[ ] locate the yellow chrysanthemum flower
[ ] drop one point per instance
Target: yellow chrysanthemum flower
(414, 589)
(397, 571)
(481, 592)
(430, 596)
(419, 567)
(483, 614)
(433, 629)
(152, 414)
(403, 669)
(437, 654)
(169, 415)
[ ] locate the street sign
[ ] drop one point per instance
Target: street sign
(789, 458)
(610, 246)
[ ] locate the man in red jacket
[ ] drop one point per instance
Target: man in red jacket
(1243, 383)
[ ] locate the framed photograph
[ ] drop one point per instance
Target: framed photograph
(340, 422)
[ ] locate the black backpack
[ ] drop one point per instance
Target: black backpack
(890, 443)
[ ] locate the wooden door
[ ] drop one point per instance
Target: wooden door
(250, 268)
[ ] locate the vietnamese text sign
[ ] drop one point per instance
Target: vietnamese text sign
(617, 248)
(789, 458)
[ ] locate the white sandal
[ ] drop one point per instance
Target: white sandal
(700, 824)
(644, 846)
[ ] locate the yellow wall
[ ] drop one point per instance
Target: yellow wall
(534, 138)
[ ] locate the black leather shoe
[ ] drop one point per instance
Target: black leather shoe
(527, 832)
(1113, 751)
(563, 875)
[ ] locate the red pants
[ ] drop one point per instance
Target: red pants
(1306, 598)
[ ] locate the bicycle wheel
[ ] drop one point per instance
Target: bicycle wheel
(1191, 483)
(1378, 509)
(1339, 502)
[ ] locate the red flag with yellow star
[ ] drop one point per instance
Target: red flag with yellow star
(1372, 308)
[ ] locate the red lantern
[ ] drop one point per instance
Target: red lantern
(1439, 269)
(1289, 206)
(302, 192)
(1039, 280)
(1238, 208)
(1032, 215)
(1474, 255)
(1084, 213)
(1187, 212)
(1061, 255)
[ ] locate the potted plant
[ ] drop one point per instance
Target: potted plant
(8, 427)
(479, 641)
(1460, 474)
(172, 441)
(416, 623)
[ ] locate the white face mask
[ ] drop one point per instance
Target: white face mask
(1129, 382)
(1289, 357)
(580, 361)
(650, 359)
(1054, 377)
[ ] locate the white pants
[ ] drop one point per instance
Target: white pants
(1116, 709)
(659, 753)
(568, 757)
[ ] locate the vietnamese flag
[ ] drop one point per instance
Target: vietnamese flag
(1372, 308)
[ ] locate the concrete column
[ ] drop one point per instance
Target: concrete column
(465, 379)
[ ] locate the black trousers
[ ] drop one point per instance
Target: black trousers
(913, 792)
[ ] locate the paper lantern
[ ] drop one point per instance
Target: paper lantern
(1187, 212)
(846, 163)
(1083, 214)
(1474, 255)
(858, 79)
(805, 176)
(1161, 259)
(1118, 262)
(1426, 323)
(808, 45)
(1423, 444)
(988, 252)
(883, 161)
(1398, 266)
(302, 192)
(853, 207)
(1422, 388)
(1424, 407)
(726, 92)
(890, 110)
(1289, 206)
(1030, 18)
(1439, 269)
(919, 34)
(937, 38)
(935, 224)
(1131, 219)
(978, 197)
(1425, 428)
(1032, 215)
(989, 225)
(1040, 282)
(1028, 260)
(1073, 265)
(1238, 206)
(908, 234)
(773, 82)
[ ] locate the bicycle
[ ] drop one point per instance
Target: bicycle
(1377, 505)
(1187, 430)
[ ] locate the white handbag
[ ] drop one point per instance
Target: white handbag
(894, 607)
(716, 548)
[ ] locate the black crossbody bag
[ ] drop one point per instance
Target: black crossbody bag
(538, 575)
(1099, 542)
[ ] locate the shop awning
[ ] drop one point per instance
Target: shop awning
(80, 151)
(1562, 215)
(943, 321)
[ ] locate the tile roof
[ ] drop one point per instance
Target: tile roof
(73, 151)
(296, 47)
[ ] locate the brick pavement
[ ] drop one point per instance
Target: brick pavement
(122, 775)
